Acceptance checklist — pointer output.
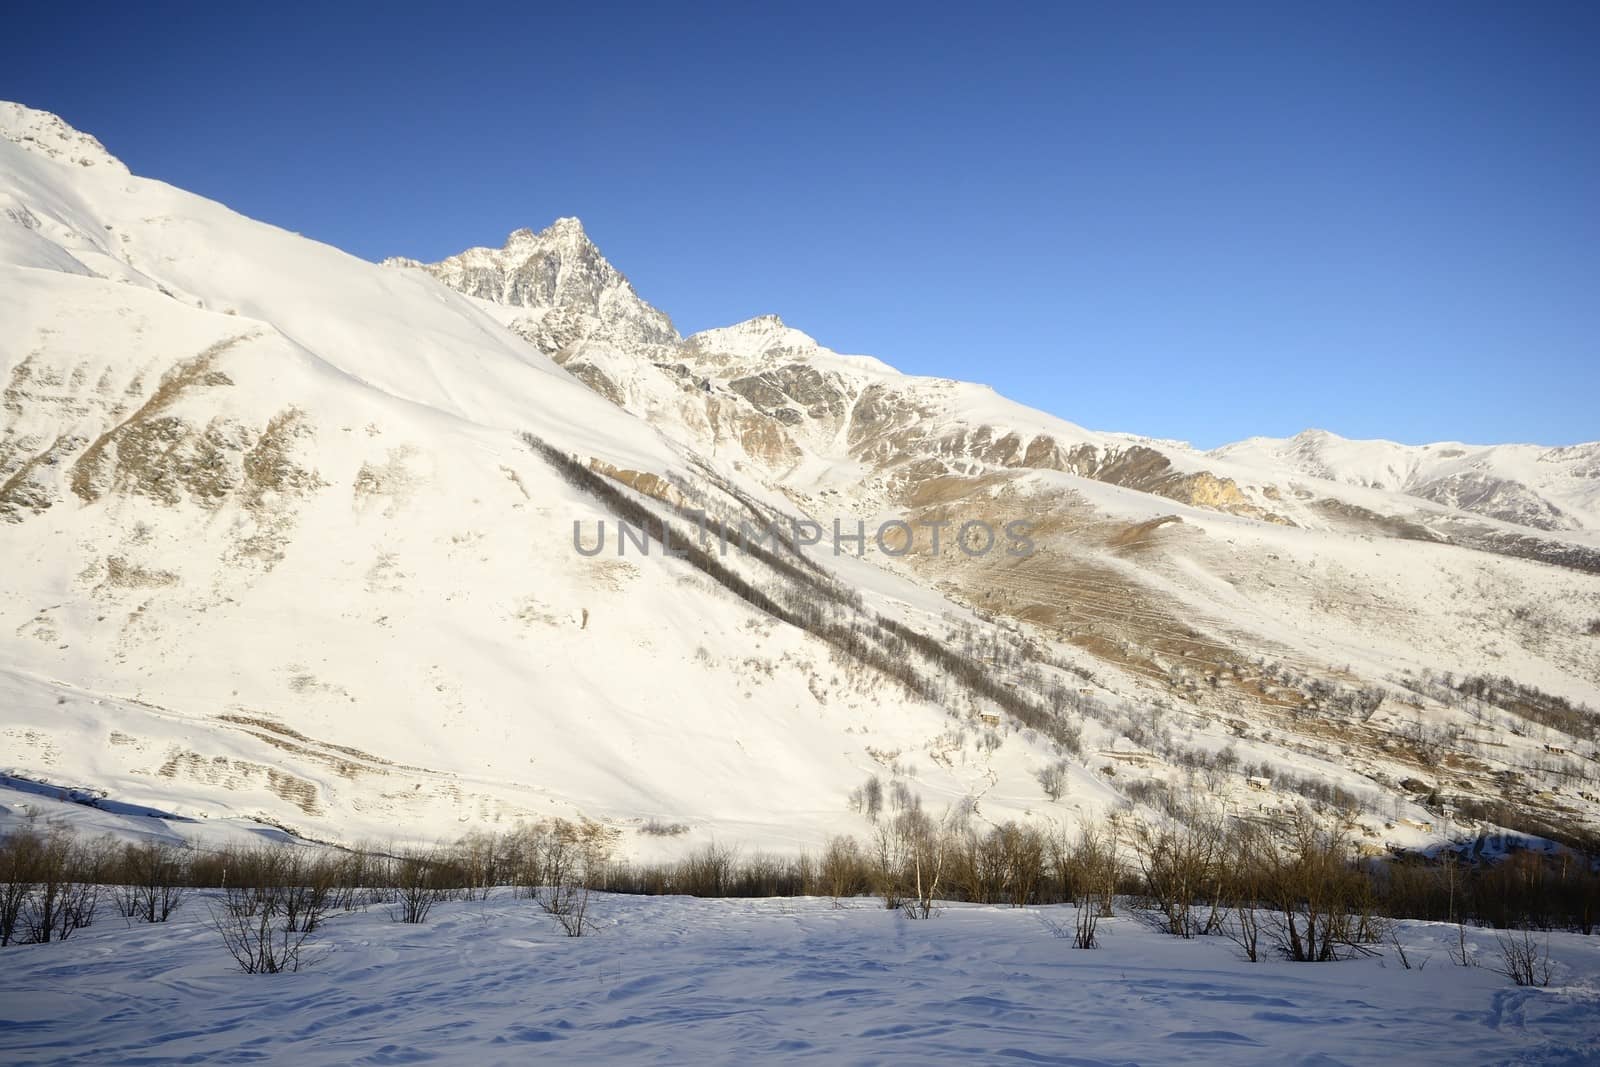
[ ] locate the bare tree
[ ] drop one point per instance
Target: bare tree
(889, 863)
(1022, 850)
(978, 866)
(1053, 779)
(1450, 873)
(928, 847)
(59, 903)
(1089, 870)
(19, 866)
(1245, 850)
(909, 857)
(524, 858)
(574, 856)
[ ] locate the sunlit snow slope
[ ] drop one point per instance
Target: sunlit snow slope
(289, 536)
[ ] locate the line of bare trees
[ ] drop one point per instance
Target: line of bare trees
(1295, 889)
(270, 899)
(49, 886)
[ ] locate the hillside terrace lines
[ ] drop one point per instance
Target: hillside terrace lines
(188, 374)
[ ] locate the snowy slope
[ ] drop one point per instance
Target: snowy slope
(291, 539)
(1545, 488)
(725, 981)
(848, 434)
(1233, 584)
(279, 550)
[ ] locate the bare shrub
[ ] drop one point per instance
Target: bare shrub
(351, 876)
(479, 858)
(843, 871)
(573, 859)
(59, 903)
(708, 872)
(1179, 862)
(1085, 926)
(1400, 950)
(308, 893)
(1322, 902)
(1524, 959)
(420, 882)
(153, 877)
(256, 931)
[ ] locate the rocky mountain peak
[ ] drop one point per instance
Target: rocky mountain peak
(752, 338)
(567, 230)
(556, 272)
(47, 134)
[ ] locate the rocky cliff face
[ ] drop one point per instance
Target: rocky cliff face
(566, 289)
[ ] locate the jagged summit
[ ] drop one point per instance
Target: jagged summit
(566, 226)
(568, 230)
(557, 269)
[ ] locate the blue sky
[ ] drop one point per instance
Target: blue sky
(1192, 221)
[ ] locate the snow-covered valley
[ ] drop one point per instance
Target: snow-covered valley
(673, 980)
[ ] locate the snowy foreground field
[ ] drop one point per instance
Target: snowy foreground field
(679, 980)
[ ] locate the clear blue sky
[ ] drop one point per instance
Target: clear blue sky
(1201, 221)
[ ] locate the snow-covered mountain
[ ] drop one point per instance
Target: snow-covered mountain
(565, 289)
(285, 540)
(290, 536)
(1545, 488)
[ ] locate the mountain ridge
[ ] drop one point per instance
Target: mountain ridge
(1496, 486)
